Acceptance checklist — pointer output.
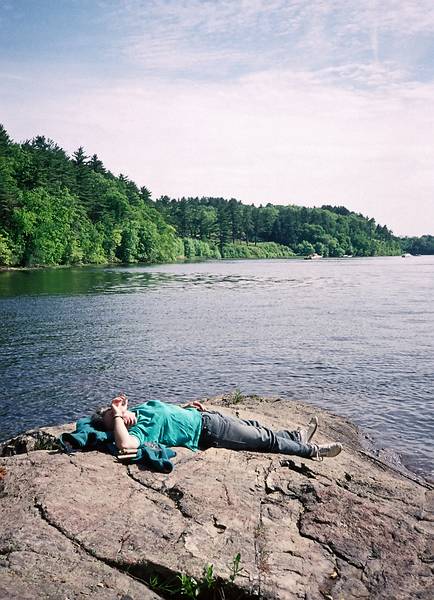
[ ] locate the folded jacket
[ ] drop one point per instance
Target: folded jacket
(86, 437)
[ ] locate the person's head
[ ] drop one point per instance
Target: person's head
(102, 418)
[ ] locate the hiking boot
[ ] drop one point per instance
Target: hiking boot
(325, 451)
(307, 433)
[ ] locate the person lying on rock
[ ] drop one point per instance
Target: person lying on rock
(192, 426)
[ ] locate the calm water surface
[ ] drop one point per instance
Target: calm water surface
(352, 335)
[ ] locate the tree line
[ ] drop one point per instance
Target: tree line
(57, 209)
(418, 245)
(328, 231)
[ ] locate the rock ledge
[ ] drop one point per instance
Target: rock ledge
(84, 525)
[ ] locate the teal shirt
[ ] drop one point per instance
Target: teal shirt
(167, 424)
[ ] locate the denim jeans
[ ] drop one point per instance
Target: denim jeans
(220, 431)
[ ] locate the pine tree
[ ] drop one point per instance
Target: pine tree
(83, 179)
(96, 164)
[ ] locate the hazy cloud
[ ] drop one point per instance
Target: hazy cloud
(255, 35)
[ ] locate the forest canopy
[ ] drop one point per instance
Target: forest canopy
(57, 209)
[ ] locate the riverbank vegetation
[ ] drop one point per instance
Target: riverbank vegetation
(418, 245)
(57, 210)
(287, 230)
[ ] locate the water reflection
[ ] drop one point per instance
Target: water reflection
(75, 281)
(124, 280)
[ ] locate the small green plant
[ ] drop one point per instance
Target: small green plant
(189, 586)
(237, 396)
(154, 582)
(208, 577)
(158, 586)
(235, 567)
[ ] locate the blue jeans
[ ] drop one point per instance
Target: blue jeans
(220, 431)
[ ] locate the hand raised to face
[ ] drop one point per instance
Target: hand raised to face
(119, 405)
(129, 418)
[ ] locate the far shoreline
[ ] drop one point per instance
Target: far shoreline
(198, 259)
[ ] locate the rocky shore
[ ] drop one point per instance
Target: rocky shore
(85, 525)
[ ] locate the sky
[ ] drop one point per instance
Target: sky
(282, 101)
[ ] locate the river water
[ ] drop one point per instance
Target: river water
(353, 335)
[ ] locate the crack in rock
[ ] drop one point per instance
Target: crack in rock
(176, 495)
(220, 526)
(257, 548)
(369, 492)
(173, 493)
(145, 570)
(329, 548)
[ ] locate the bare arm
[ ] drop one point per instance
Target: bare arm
(123, 440)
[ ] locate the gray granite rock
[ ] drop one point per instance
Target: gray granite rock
(85, 525)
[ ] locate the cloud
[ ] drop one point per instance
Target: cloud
(12, 76)
(220, 37)
(374, 75)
